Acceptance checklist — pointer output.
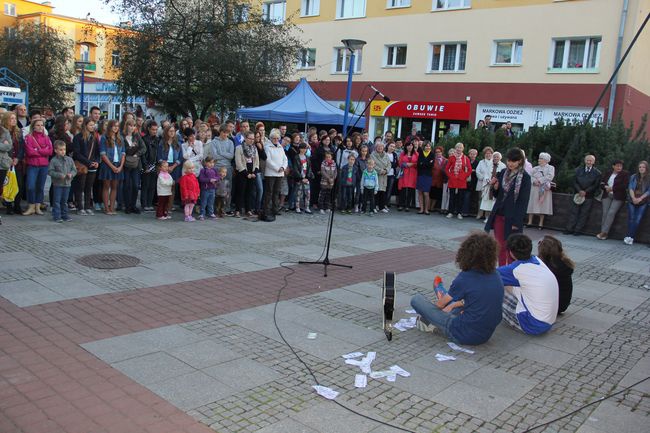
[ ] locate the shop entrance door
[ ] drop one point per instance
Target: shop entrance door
(424, 126)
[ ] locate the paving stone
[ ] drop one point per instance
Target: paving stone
(592, 320)
(24, 293)
(156, 274)
(69, 286)
(242, 374)
(472, 400)
(543, 354)
(287, 425)
(152, 368)
(191, 390)
(498, 382)
(326, 417)
(203, 354)
(611, 418)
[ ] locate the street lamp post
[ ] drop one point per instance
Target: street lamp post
(352, 45)
(81, 65)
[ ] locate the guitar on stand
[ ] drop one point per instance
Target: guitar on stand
(388, 296)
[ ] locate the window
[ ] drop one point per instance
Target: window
(10, 32)
(507, 52)
(451, 4)
(115, 59)
(342, 60)
(350, 8)
(275, 11)
(307, 58)
(310, 8)
(241, 13)
(449, 57)
(84, 53)
(398, 3)
(576, 53)
(395, 55)
(10, 9)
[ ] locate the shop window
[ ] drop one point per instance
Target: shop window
(310, 8)
(274, 11)
(10, 9)
(576, 54)
(448, 57)
(398, 4)
(350, 8)
(451, 4)
(395, 55)
(307, 58)
(507, 52)
(342, 61)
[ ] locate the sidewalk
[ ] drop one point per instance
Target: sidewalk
(185, 341)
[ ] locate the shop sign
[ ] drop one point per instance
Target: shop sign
(423, 110)
(541, 115)
(11, 95)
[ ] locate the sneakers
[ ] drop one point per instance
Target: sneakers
(189, 219)
(297, 210)
(356, 208)
(162, 218)
(213, 217)
(90, 212)
(201, 218)
(307, 210)
(628, 240)
(82, 212)
(423, 326)
(460, 217)
(450, 215)
(322, 212)
(385, 210)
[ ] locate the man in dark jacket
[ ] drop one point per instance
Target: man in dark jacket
(585, 184)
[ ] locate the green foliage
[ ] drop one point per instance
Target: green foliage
(198, 56)
(43, 56)
(567, 144)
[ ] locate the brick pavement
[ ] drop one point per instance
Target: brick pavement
(50, 384)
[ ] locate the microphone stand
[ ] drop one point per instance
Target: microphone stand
(328, 240)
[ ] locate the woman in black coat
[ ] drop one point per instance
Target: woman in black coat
(511, 191)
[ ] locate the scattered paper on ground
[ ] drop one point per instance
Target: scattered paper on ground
(312, 335)
(455, 346)
(360, 380)
(440, 357)
(352, 355)
(326, 392)
(411, 312)
(406, 323)
(399, 370)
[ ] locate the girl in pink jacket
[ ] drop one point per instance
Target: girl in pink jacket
(38, 149)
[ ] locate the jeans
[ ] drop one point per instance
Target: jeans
(83, 190)
(36, 177)
(60, 202)
(456, 199)
(634, 216)
(347, 197)
(259, 184)
(434, 315)
(610, 209)
(148, 189)
(130, 187)
(207, 202)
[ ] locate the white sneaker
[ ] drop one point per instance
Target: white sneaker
(322, 212)
(308, 210)
(626, 240)
(297, 210)
(450, 215)
(460, 217)
(384, 210)
(356, 208)
(421, 325)
(486, 220)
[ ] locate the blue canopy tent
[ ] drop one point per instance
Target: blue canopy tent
(302, 105)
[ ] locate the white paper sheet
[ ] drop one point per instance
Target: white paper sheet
(360, 380)
(352, 355)
(312, 336)
(441, 357)
(326, 392)
(399, 370)
(455, 346)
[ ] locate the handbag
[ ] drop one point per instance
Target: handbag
(80, 166)
(10, 186)
(131, 161)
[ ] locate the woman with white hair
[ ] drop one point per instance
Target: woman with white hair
(541, 199)
(495, 167)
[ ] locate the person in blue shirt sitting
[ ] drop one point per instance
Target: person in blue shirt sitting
(531, 299)
(471, 310)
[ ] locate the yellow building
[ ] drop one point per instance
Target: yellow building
(91, 42)
(524, 61)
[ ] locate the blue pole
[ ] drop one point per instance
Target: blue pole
(81, 103)
(348, 96)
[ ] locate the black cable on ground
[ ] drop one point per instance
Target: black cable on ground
(585, 406)
(311, 372)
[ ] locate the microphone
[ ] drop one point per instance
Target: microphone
(386, 98)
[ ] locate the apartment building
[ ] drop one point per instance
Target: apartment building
(91, 45)
(445, 64)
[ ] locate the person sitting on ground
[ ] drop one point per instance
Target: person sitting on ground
(549, 249)
(471, 311)
(531, 299)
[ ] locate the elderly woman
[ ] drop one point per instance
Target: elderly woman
(487, 194)
(483, 176)
(541, 199)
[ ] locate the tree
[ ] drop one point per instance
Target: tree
(197, 56)
(43, 56)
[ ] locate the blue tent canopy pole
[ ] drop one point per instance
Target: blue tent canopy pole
(301, 105)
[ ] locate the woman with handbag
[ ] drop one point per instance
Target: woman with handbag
(85, 154)
(6, 146)
(134, 148)
(10, 123)
(639, 190)
(111, 171)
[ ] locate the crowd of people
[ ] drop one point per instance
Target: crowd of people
(241, 171)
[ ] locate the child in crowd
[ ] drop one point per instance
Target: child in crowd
(164, 189)
(348, 181)
(189, 189)
(328, 176)
(370, 185)
(223, 192)
(61, 170)
(208, 180)
(302, 174)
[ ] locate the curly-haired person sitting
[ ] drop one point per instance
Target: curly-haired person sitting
(471, 310)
